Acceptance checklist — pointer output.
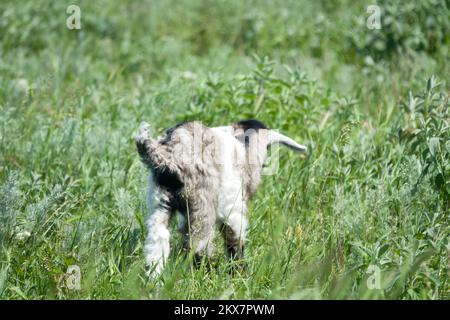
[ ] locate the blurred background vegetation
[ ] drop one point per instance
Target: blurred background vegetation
(372, 105)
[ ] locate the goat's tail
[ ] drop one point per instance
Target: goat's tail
(146, 146)
(153, 154)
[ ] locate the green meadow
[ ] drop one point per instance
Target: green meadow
(365, 216)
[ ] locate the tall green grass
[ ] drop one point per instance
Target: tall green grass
(372, 195)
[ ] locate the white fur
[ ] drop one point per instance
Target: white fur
(157, 243)
(231, 204)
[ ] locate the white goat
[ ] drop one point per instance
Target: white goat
(208, 175)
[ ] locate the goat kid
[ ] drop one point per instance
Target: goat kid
(208, 175)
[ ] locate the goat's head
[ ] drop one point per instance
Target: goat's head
(258, 139)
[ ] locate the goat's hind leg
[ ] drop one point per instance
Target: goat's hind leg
(157, 243)
(234, 230)
(199, 237)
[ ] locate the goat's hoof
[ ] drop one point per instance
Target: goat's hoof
(238, 267)
(200, 260)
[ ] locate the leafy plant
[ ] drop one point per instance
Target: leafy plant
(371, 195)
(406, 28)
(429, 136)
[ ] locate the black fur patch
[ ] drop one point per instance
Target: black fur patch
(142, 150)
(171, 130)
(167, 180)
(173, 185)
(251, 124)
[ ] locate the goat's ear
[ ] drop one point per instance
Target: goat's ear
(276, 137)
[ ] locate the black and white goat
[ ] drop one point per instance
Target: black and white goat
(208, 175)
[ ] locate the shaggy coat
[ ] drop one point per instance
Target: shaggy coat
(208, 175)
